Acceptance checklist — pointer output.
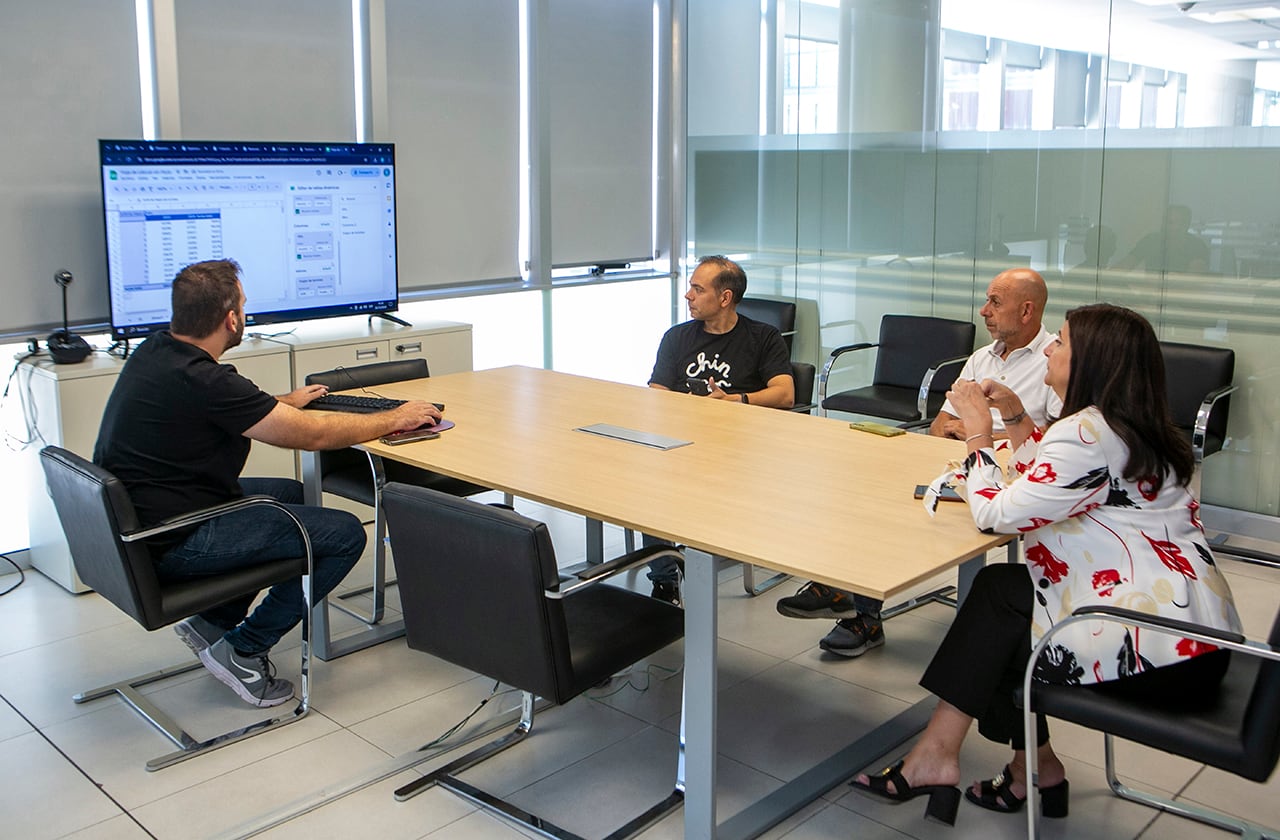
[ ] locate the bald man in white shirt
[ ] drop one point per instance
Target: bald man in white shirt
(1013, 313)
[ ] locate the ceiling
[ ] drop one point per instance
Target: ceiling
(1155, 33)
(1237, 22)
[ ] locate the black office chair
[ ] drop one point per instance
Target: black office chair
(480, 588)
(360, 476)
(803, 375)
(909, 384)
(1200, 385)
(1239, 732)
(779, 314)
(104, 538)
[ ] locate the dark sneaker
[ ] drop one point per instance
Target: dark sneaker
(853, 636)
(666, 590)
(197, 633)
(814, 600)
(252, 677)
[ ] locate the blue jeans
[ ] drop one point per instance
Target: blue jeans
(248, 537)
(663, 569)
(869, 607)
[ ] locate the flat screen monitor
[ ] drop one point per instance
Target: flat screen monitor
(312, 225)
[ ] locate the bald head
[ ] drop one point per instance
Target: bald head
(1015, 307)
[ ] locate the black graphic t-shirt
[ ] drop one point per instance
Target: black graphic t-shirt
(743, 360)
(173, 429)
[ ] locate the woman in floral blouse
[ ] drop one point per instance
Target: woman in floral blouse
(1102, 502)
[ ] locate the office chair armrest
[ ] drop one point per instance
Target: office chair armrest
(594, 574)
(1202, 418)
(922, 397)
(1170, 626)
(1252, 556)
(1235, 642)
(919, 426)
(849, 348)
(831, 360)
(1157, 624)
(195, 517)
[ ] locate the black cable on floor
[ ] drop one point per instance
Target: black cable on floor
(22, 576)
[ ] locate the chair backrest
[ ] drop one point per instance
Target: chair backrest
(803, 375)
(1192, 371)
(1261, 733)
(911, 344)
(472, 578)
(350, 461)
(94, 509)
(779, 314)
(368, 376)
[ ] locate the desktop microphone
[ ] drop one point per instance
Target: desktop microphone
(65, 347)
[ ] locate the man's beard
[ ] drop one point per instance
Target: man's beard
(235, 339)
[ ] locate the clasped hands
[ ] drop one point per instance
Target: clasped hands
(973, 402)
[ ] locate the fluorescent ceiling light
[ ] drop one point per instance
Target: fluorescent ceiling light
(1237, 15)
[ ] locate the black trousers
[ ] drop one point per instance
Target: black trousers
(981, 661)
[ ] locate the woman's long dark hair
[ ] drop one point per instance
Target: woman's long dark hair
(1117, 366)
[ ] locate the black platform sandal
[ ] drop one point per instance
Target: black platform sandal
(944, 800)
(997, 795)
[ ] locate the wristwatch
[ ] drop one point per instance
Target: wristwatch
(1017, 418)
(743, 398)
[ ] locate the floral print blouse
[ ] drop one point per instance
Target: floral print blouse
(1092, 537)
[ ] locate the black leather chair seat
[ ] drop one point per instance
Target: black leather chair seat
(1211, 735)
(601, 624)
(182, 598)
(889, 401)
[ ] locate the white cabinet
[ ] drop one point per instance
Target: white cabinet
(65, 402)
(350, 342)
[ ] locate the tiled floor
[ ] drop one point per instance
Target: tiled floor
(77, 771)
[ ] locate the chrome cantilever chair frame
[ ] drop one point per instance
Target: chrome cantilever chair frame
(1237, 644)
(1199, 433)
(188, 745)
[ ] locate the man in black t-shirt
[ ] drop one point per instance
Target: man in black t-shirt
(722, 355)
(177, 430)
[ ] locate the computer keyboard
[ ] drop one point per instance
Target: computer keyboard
(354, 404)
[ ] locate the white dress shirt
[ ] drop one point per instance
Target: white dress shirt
(1022, 372)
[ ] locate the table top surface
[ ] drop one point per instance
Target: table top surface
(796, 493)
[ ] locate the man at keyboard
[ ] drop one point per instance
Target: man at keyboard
(177, 430)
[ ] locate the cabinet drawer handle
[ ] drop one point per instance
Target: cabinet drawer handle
(367, 353)
(415, 347)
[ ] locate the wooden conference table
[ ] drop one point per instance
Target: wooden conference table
(796, 493)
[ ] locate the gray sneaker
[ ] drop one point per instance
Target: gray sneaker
(197, 633)
(252, 677)
(854, 636)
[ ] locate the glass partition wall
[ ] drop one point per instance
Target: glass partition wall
(863, 157)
